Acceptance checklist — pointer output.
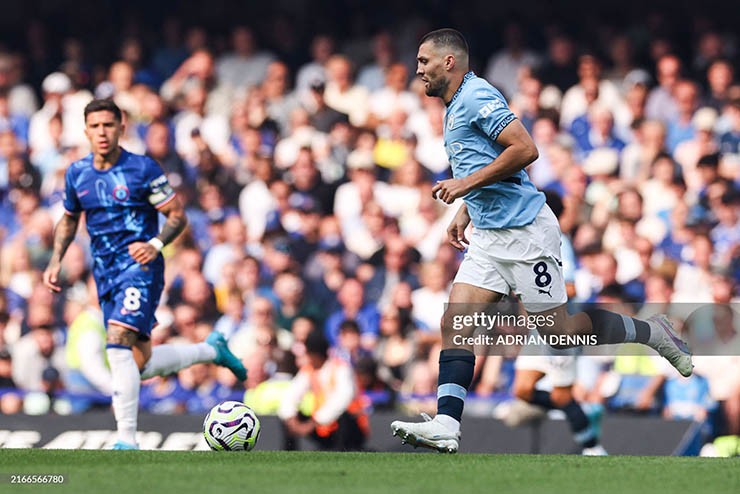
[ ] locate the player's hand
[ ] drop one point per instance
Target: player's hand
(456, 230)
(142, 252)
(450, 189)
(51, 277)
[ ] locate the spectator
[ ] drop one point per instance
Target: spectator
(16, 123)
(338, 420)
(504, 66)
(429, 299)
(559, 69)
(688, 152)
(396, 268)
(576, 99)
(693, 281)
(233, 248)
(373, 75)
(351, 299)
(730, 140)
(158, 140)
(393, 95)
(342, 94)
(349, 346)
(322, 47)
(720, 75)
(21, 97)
(279, 101)
(245, 65)
(661, 103)
(85, 354)
(37, 351)
(294, 302)
(682, 128)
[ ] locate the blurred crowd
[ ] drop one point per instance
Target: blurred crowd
(307, 186)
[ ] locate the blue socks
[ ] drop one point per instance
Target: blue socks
(583, 433)
(611, 328)
(455, 375)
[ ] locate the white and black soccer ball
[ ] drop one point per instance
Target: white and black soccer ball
(231, 426)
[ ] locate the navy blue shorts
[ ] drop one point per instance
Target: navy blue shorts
(134, 298)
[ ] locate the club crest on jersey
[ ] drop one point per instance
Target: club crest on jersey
(120, 193)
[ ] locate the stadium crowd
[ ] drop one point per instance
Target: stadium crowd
(307, 185)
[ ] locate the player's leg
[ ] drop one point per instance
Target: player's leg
(561, 371)
(163, 360)
(538, 279)
(609, 328)
(126, 383)
(586, 432)
(456, 362)
(456, 365)
(128, 310)
(525, 382)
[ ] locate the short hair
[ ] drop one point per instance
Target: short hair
(97, 105)
(451, 38)
(349, 326)
(317, 344)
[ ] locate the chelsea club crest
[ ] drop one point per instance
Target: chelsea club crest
(120, 193)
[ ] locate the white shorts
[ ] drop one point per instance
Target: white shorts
(559, 369)
(525, 260)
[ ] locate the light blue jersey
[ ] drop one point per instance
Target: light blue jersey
(475, 117)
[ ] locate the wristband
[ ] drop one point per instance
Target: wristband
(156, 243)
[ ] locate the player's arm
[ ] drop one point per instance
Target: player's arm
(146, 252)
(64, 233)
(519, 151)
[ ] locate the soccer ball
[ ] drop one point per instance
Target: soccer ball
(231, 426)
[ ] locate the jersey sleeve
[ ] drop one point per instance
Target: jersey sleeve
(71, 201)
(159, 190)
(488, 111)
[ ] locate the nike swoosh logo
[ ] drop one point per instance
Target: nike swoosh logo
(83, 193)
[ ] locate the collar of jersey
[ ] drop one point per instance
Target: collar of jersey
(466, 78)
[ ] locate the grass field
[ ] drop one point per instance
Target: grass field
(160, 472)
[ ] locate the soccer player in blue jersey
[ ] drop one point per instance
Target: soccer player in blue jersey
(122, 195)
(515, 244)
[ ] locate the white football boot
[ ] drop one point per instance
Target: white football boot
(597, 450)
(668, 345)
(429, 434)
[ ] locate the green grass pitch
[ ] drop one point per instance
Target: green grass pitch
(161, 472)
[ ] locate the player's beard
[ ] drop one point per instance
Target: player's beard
(438, 88)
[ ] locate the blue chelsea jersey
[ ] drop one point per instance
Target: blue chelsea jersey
(121, 206)
(475, 117)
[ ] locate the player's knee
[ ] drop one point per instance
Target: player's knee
(524, 390)
(118, 335)
(561, 396)
(141, 356)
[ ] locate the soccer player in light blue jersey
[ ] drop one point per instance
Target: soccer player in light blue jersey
(122, 195)
(515, 244)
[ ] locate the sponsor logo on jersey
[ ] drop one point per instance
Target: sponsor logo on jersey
(490, 107)
(450, 121)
